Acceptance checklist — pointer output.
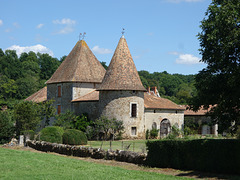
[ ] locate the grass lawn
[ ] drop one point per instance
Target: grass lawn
(135, 145)
(18, 164)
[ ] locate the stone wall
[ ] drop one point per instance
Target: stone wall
(176, 117)
(81, 89)
(117, 104)
(91, 108)
(96, 153)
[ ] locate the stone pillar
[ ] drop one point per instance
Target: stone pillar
(215, 129)
(21, 140)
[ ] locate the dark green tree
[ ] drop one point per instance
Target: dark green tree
(27, 117)
(219, 83)
(6, 126)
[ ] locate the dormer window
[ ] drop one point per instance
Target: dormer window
(59, 91)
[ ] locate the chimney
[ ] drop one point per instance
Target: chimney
(155, 90)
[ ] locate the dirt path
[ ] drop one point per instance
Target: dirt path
(130, 166)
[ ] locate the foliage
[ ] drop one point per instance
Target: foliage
(107, 127)
(219, 83)
(27, 117)
(196, 154)
(82, 122)
(6, 126)
(22, 76)
(69, 120)
(104, 64)
(190, 126)
(147, 134)
(74, 137)
(65, 120)
(47, 111)
(238, 133)
(52, 134)
(154, 133)
(176, 87)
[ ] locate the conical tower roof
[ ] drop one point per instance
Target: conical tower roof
(122, 73)
(79, 66)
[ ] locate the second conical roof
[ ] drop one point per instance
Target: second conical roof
(79, 66)
(122, 73)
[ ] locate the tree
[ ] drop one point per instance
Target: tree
(27, 117)
(47, 110)
(219, 83)
(6, 126)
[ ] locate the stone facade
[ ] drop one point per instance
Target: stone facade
(117, 104)
(69, 92)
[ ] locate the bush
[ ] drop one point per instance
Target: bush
(74, 137)
(52, 134)
(154, 133)
(147, 134)
(211, 155)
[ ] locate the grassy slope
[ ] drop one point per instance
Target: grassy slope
(17, 164)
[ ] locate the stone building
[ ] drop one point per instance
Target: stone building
(82, 85)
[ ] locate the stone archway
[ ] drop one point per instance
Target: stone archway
(165, 128)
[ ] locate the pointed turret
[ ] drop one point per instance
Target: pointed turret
(122, 73)
(79, 66)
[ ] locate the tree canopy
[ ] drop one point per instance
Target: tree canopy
(219, 83)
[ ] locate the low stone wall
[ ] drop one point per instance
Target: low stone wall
(96, 153)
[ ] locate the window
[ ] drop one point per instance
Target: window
(154, 125)
(133, 110)
(134, 131)
(59, 109)
(59, 89)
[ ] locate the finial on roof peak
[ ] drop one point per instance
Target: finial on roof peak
(123, 31)
(82, 36)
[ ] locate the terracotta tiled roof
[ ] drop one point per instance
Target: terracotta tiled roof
(201, 112)
(79, 66)
(154, 102)
(39, 96)
(92, 96)
(122, 73)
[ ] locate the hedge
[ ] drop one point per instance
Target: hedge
(52, 134)
(211, 155)
(74, 137)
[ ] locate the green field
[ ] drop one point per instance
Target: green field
(18, 164)
(132, 145)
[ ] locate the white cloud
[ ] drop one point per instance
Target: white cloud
(99, 50)
(1, 22)
(68, 25)
(178, 1)
(187, 59)
(8, 30)
(39, 26)
(37, 48)
(174, 53)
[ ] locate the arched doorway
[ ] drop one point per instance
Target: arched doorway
(165, 128)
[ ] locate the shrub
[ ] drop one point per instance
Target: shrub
(52, 134)
(212, 155)
(147, 134)
(154, 133)
(74, 137)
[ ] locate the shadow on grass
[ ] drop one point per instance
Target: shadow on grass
(207, 175)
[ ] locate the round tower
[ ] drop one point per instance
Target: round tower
(121, 94)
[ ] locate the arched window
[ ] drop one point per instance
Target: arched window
(154, 125)
(165, 127)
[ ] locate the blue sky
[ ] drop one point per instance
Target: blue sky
(161, 34)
